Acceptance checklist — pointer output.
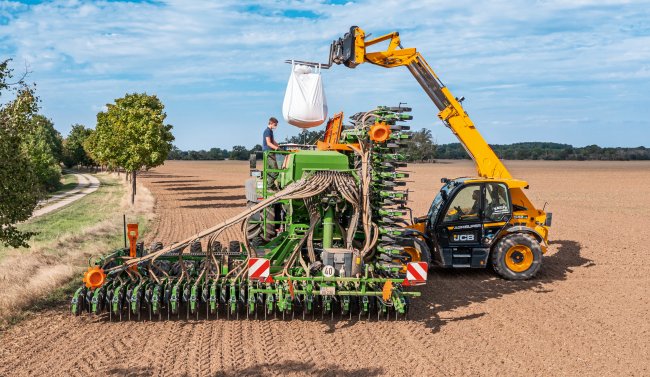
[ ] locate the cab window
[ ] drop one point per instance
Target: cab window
(438, 203)
(497, 204)
(466, 205)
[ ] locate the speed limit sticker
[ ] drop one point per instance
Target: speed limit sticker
(328, 271)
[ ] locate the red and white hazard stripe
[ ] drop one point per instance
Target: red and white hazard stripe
(259, 268)
(416, 273)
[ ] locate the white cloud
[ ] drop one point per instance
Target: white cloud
(218, 60)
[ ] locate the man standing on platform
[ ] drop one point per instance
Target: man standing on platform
(268, 143)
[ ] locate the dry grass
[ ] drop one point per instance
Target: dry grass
(28, 276)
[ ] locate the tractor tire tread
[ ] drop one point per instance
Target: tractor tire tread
(503, 245)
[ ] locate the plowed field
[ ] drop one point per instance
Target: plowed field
(587, 312)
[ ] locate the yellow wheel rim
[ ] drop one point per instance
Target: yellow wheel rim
(414, 255)
(519, 258)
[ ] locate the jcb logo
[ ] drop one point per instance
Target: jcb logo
(463, 237)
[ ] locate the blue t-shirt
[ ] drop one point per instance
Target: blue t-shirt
(267, 133)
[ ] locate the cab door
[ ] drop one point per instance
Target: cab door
(497, 210)
(460, 227)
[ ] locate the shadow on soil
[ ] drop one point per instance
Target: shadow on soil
(167, 182)
(447, 290)
(202, 188)
(451, 289)
(264, 370)
(162, 176)
(215, 205)
(214, 198)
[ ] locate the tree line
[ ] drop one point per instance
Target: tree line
(422, 147)
(549, 151)
(130, 135)
(238, 152)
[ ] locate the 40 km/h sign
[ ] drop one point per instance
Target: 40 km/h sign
(259, 269)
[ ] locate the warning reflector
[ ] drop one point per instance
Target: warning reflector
(416, 273)
(259, 269)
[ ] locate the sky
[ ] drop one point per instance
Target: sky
(575, 72)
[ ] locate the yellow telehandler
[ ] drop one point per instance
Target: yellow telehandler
(472, 221)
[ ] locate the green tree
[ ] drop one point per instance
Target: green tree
(305, 137)
(523, 154)
(217, 154)
(102, 145)
(257, 150)
(239, 152)
(421, 147)
(44, 146)
(175, 153)
(19, 186)
(131, 134)
(194, 155)
(537, 153)
(51, 136)
(41, 156)
(73, 147)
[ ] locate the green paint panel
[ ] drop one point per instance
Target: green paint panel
(300, 161)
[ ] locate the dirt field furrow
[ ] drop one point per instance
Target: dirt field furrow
(587, 312)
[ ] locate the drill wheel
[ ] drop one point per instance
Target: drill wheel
(196, 247)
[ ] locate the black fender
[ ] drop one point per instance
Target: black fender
(521, 229)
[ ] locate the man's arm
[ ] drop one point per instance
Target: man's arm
(271, 144)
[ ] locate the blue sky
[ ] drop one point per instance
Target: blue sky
(573, 72)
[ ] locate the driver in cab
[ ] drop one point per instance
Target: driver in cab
(458, 213)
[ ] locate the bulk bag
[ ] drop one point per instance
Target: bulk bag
(304, 103)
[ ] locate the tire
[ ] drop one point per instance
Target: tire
(269, 229)
(216, 247)
(256, 241)
(418, 246)
(254, 232)
(155, 246)
(517, 257)
(196, 247)
(256, 216)
(234, 247)
(425, 253)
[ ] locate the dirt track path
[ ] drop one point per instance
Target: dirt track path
(587, 312)
(86, 184)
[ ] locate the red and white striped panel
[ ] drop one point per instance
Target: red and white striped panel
(416, 273)
(259, 268)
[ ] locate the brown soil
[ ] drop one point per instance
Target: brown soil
(586, 313)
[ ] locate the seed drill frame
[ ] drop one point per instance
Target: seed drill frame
(324, 233)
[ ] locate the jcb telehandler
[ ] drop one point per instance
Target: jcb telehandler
(472, 221)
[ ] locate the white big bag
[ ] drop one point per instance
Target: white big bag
(304, 101)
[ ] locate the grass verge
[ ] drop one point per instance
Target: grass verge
(67, 238)
(56, 298)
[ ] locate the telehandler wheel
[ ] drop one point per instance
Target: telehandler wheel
(415, 250)
(517, 257)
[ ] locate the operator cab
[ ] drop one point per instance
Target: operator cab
(464, 219)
